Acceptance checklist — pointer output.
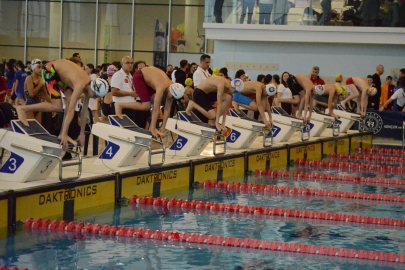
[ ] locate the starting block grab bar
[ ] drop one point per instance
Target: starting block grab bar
(305, 129)
(214, 139)
(151, 152)
(61, 163)
(261, 132)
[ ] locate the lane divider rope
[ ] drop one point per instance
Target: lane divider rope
(211, 240)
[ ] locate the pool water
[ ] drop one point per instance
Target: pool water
(60, 250)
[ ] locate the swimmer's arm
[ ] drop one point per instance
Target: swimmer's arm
(386, 104)
(156, 109)
(307, 98)
(30, 86)
(83, 113)
(364, 101)
(331, 103)
(260, 99)
(220, 92)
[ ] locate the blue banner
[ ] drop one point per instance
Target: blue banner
(384, 124)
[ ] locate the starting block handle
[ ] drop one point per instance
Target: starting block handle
(219, 143)
(307, 132)
(61, 163)
(335, 129)
(151, 153)
(265, 139)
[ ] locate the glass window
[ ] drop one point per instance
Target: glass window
(151, 22)
(42, 53)
(87, 56)
(43, 26)
(111, 56)
(144, 56)
(79, 24)
(114, 27)
(10, 52)
(188, 34)
(12, 22)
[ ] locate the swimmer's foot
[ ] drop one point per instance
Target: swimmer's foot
(22, 116)
(118, 110)
(343, 104)
(189, 108)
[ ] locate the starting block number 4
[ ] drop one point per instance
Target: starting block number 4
(110, 151)
(12, 164)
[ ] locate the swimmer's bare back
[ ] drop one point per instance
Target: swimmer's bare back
(211, 84)
(156, 78)
(251, 87)
(71, 74)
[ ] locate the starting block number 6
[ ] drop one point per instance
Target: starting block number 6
(12, 164)
(233, 136)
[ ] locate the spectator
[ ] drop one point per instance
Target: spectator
(103, 71)
(377, 85)
(34, 88)
(326, 12)
(387, 90)
(240, 74)
(260, 78)
(276, 80)
(247, 6)
(137, 66)
(399, 96)
(28, 69)
(314, 76)
(107, 106)
(19, 81)
(193, 68)
(93, 102)
(77, 55)
(370, 84)
(3, 87)
(223, 72)
(169, 71)
(401, 75)
(218, 10)
(265, 7)
(284, 92)
(75, 60)
(3, 66)
(267, 79)
(181, 73)
(10, 74)
(202, 71)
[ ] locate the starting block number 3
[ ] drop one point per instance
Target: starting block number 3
(12, 164)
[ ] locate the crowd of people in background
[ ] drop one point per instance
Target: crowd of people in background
(21, 84)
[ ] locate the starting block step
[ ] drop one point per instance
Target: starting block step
(126, 143)
(244, 130)
(34, 153)
(285, 125)
(193, 136)
(346, 119)
(321, 122)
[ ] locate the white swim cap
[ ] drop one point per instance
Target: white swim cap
(237, 85)
(177, 90)
(320, 89)
(271, 90)
(100, 87)
(35, 63)
(373, 91)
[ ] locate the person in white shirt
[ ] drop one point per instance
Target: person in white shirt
(283, 92)
(121, 82)
(93, 102)
(399, 96)
(202, 71)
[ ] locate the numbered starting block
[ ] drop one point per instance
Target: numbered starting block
(285, 125)
(244, 130)
(346, 119)
(193, 136)
(321, 121)
(126, 143)
(34, 153)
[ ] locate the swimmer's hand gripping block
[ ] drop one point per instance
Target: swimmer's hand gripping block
(346, 119)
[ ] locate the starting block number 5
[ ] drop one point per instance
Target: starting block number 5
(179, 143)
(12, 164)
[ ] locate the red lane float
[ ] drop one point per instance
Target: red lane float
(253, 244)
(13, 268)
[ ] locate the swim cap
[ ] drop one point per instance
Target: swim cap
(339, 78)
(177, 90)
(319, 89)
(342, 90)
(215, 72)
(35, 63)
(111, 70)
(99, 87)
(237, 85)
(373, 91)
(271, 89)
(188, 82)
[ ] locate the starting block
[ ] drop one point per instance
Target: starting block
(126, 143)
(346, 119)
(321, 121)
(244, 130)
(285, 125)
(34, 153)
(193, 136)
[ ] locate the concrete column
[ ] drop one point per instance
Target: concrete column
(54, 24)
(190, 27)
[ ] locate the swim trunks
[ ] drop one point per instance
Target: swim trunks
(242, 99)
(294, 86)
(349, 81)
(206, 101)
(53, 83)
(143, 91)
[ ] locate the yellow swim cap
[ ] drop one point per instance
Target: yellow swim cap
(339, 78)
(372, 91)
(188, 82)
(342, 90)
(215, 72)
